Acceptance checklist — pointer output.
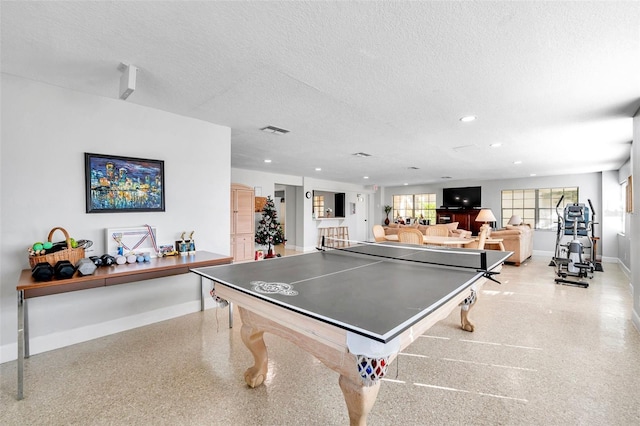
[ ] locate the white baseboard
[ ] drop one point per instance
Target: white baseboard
(550, 255)
(53, 341)
(625, 270)
(544, 253)
(635, 319)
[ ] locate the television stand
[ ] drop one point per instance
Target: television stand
(466, 218)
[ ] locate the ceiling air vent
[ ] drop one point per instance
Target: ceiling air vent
(465, 148)
(275, 130)
(413, 168)
(362, 154)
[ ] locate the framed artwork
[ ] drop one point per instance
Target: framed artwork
(123, 184)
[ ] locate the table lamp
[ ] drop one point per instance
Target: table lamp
(515, 220)
(486, 216)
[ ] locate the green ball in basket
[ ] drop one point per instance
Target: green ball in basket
(64, 250)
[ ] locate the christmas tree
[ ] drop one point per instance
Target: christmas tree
(269, 232)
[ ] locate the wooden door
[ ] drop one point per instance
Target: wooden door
(242, 222)
(244, 211)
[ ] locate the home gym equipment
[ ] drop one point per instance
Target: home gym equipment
(64, 270)
(85, 266)
(569, 259)
(43, 271)
(108, 260)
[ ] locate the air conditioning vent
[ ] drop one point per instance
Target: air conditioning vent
(362, 154)
(275, 130)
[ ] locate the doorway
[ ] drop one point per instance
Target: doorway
(285, 201)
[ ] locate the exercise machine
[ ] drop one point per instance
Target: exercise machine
(569, 258)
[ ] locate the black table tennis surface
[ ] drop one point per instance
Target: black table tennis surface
(375, 290)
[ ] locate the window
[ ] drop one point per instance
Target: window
(318, 206)
(536, 206)
(419, 206)
(521, 202)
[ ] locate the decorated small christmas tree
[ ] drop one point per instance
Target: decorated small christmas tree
(269, 232)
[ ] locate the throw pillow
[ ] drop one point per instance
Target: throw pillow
(452, 226)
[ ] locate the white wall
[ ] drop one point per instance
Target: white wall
(45, 132)
(264, 184)
(624, 238)
(634, 218)
(610, 223)
(590, 187)
(306, 227)
(359, 224)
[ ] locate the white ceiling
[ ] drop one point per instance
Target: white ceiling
(556, 83)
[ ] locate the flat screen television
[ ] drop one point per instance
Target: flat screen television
(468, 197)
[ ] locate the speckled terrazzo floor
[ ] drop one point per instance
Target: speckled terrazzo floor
(541, 354)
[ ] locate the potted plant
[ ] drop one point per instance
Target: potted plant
(387, 210)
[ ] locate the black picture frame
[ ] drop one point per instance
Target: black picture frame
(116, 184)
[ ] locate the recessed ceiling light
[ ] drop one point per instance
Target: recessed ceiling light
(365, 177)
(517, 162)
(468, 118)
(318, 169)
(495, 145)
(405, 184)
(267, 161)
(533, 174)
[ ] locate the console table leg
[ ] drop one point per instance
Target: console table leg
(21, 343)
(25, 322)
(201, 293)
(230, 315)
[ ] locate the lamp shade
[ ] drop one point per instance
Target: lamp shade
(485, 215)
(515, 220)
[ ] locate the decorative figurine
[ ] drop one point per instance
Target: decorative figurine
(192, 244)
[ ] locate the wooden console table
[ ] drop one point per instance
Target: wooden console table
(105, 276)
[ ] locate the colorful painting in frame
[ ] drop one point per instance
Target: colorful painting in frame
(123, 184)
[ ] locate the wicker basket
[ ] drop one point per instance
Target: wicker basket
(71, 254)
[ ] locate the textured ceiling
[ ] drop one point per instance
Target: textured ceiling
(556, 83)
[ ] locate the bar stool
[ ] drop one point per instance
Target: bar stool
(332, 234)
(329, 233)
(322, 233)
(343, 234)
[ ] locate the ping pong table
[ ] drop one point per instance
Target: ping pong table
(353, 308)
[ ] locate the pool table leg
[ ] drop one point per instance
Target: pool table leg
(465, 307)
(253, 340)
(359, 399)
